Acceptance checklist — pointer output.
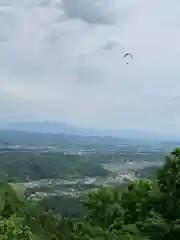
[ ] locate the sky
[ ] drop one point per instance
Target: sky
(62, 60)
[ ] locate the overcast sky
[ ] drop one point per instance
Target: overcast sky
(63, 61)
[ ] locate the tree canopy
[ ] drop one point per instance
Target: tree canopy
(143, 210)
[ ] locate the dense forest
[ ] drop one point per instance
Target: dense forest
(35, 165)
(145, 209)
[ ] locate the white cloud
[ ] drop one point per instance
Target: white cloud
(65, 60)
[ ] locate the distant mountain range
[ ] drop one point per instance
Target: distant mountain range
(65, 128)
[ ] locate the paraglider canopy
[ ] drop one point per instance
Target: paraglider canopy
(128, 56)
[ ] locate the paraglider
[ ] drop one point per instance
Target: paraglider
(128, 56)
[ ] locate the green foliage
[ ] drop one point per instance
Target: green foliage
(66, 205)
(137, 201)
(169, 184)
(144, 210)
(10, 203)
(36, 166)
(103, 206)
(14, 229)
(148, 209)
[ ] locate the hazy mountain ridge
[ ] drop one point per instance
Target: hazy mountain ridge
(69, 129)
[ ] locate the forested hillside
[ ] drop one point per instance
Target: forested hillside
(35, 166)
(143, 210)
